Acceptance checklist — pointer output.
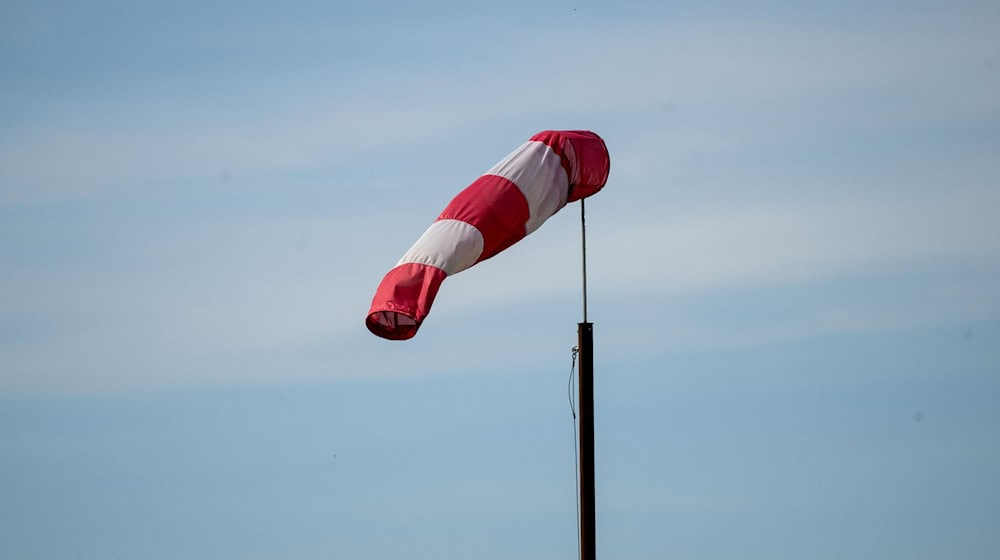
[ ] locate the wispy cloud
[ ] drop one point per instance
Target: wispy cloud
(744, 158)
(168, 132)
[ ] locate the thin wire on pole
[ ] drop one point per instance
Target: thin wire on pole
(570, 389)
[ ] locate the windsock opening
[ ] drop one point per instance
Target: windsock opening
(585, 159)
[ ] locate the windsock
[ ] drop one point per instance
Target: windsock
(497, 210)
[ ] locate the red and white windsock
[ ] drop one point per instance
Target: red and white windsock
(507, 203)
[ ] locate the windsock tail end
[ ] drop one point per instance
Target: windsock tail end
(403, 300)
(392, 325)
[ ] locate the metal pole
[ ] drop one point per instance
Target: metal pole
(585, 343)
(588, 517)
(583, 246)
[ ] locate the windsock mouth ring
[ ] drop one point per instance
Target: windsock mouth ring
(392, 325)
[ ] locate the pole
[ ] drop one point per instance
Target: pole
(588, 517)
(583, 251)
(585, 343)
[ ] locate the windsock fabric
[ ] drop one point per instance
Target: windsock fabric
(497, 210)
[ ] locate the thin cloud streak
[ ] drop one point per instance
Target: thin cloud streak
(154, 138)
(218, 299)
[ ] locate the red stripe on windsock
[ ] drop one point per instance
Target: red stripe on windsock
(494, 206)
(584, 158)
(403, 300)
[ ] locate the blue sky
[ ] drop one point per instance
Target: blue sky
(794, 276)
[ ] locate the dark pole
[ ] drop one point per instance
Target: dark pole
(588, 517)
(585, 344)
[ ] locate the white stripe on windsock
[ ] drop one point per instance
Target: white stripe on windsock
(451, 245)
(537, 171)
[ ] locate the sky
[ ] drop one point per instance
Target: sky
(793, 272)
